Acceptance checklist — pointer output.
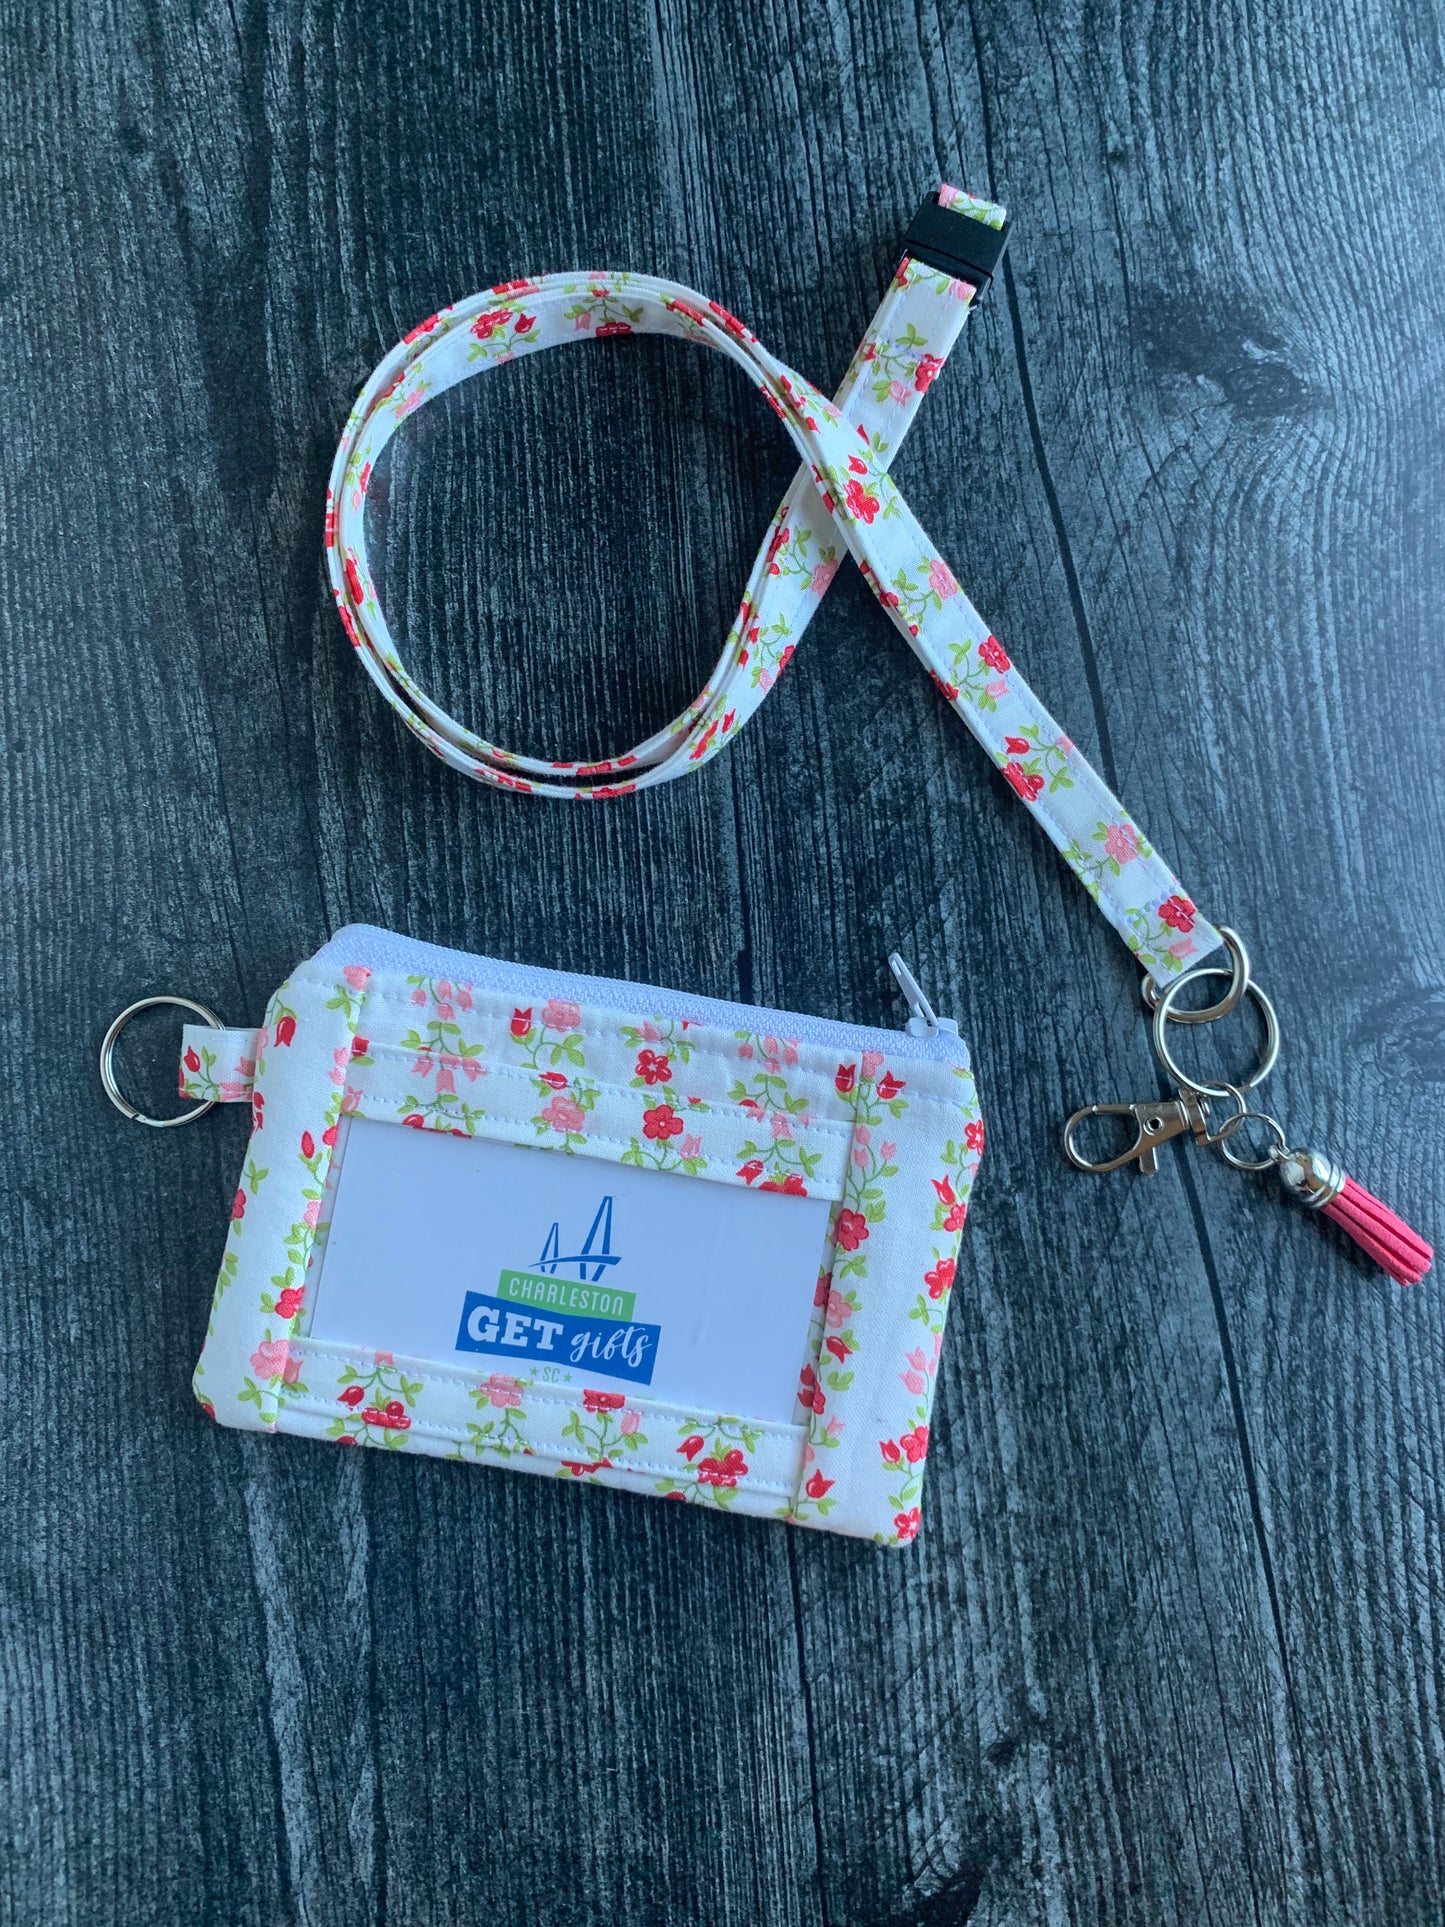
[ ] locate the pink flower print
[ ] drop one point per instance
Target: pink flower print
(898, 391)
(1122, 843)
(231, 1092)
(691, 1146)
(444, 990)
(872, 1063)
(631, 1424)
(501, 1391)
(312, 1212)
(418, 996)
(780, 1126)
(823, 574)
(745, 1052)
(998, 687)
(356, 975)
(268, 1361)
(837, 1313)
(1183, 948)
(916, 1377)
(464, 996)
(583, 320)
(860, 1156)
(851, 1229)
(886, 1151)
(564, 1114)
(446, 1013)
(384, 1358)
(790, 1052)
(339, 1060)
(941, 579)
(1064, 745)
(446, 1078)
(560, 1015)
(650, 1033)
(291, 1370)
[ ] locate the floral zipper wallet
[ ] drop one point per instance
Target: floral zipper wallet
(591, 1229)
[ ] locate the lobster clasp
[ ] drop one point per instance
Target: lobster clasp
(1156, 1120)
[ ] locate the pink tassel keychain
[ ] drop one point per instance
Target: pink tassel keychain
(1319, 1184)
(1310, 1178)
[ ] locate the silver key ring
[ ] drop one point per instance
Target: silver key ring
(1239, 980)
(107, 1062)
(1164, 1010)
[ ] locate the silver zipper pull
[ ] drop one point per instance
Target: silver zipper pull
(922, 1020)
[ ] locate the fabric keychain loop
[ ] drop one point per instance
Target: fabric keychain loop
(842, 498)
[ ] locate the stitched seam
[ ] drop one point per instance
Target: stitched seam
(420, 1428)
(323, 1349)
(834, 1126)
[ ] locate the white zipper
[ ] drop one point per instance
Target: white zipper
(385, 950)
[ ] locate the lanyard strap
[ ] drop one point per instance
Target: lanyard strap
(842, 499)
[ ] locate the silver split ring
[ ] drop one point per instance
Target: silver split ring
(1164, 1010)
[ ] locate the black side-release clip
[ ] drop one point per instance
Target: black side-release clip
(954, 242)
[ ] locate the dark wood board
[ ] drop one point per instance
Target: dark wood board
(1170, 1647)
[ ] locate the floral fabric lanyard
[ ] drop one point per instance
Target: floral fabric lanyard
(844, 499)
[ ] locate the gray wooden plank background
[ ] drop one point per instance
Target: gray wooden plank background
(1170, 1648)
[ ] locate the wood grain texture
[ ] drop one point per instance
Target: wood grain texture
(1170, 1649)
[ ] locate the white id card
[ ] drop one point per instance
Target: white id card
(498, 1256)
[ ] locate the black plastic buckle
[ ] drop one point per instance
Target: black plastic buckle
(954, 242)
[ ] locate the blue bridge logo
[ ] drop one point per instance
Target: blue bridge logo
(596, 1250)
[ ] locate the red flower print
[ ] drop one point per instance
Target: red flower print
(722, 1472)
(906, 1525)
(817, 1486)
(192, 1062)
(521, 1021)
(308, 1145)
(1023, 781)
(957, 1218)
(238, 1208)
(915, 1443)
(810, 1393)
(613, 328)
(889, 1086)
(1017, 745)
(653, 1067)
(661, 1122)
(329, 1135)
(353, 1395)
(940, 1278)
(845, 1077)
(603, 1401)
(861, 504)
(791, 1186)
(421, 328)
(890, 1450)
(553, 1078)
(289, 1303)
(973, 1135)
(360, 1046)
(923, 374)
(690, 1447)
(285, 1029)
(1178, 913)
(851, 1229)
(856, 465)
(353, 580)
(992, 651)
(751, 1170)
(523, 323)
(944, 1188)
(415, 1120)
(838, 1348)
(486, 325)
